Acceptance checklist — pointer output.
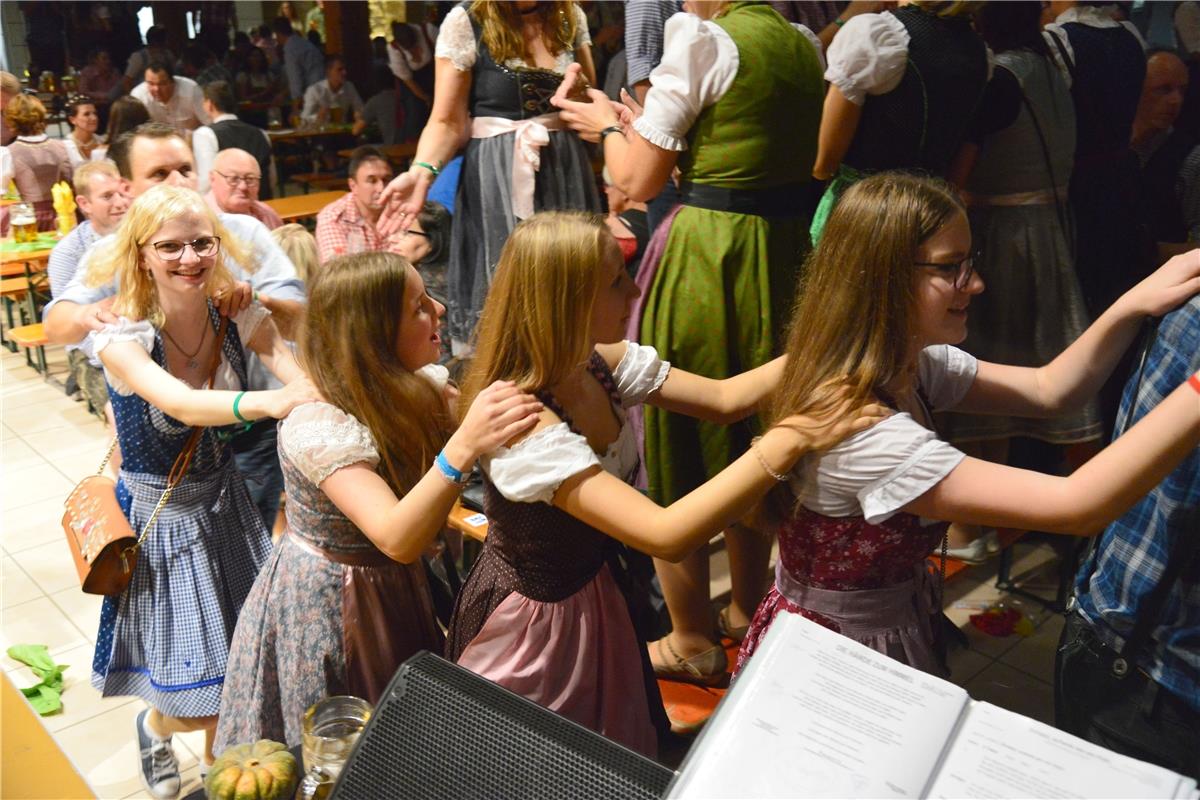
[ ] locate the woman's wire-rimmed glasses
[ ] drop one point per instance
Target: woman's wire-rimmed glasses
(204, 247)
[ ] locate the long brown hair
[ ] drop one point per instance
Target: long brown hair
(348, 347)
(501, 24)
(854, 316)
(535, 328)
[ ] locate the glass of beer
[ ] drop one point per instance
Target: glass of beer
(24, 223)
(336, 114)
(330, 730)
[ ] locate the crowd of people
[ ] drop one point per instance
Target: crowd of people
(779, 332)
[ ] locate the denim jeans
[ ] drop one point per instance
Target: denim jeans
(256, 458)
(1133, 715)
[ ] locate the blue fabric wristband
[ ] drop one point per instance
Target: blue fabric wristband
(447, 469)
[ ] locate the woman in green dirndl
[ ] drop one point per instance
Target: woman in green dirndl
(715, 302)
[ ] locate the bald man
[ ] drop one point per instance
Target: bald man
(234, 180)
(1161, 147)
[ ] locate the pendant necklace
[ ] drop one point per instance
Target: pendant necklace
(192, 363)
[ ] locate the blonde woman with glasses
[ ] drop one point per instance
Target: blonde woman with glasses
(166, 637)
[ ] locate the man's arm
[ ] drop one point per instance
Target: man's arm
(204, 148)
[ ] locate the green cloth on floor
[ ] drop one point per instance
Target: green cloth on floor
(46, 695)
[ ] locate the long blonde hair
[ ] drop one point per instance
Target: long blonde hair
(535, 325)
(855, 314)
(348, 348)
(501, 24)
(300, 247)
(121, 258)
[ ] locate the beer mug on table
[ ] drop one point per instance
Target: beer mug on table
(330, 729)
(24, 222)
(336, 115)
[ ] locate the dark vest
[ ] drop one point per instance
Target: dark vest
(921, 123)
(1110, 68)
(235, 133)
(497, 91)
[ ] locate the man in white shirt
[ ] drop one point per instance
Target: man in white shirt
(335, 92)
(175, 101)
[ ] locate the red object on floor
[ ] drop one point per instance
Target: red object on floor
(689, 706)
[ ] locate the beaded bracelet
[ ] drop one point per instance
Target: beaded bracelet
(763, 461)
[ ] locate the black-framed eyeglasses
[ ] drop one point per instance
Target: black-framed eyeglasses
(958, 273)
(204, 247)
(235, 180)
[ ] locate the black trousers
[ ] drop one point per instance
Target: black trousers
(1133, 715)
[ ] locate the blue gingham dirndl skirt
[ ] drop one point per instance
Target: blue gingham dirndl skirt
(166, 637)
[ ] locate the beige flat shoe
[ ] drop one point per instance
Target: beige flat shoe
(735, 634)
(707, 668)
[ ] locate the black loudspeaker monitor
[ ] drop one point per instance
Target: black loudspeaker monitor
(443, 732)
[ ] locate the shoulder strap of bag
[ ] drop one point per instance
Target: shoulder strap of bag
(184, 459)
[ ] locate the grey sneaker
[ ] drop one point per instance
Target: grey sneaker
(157, 765)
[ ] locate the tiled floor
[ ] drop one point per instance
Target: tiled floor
(50, 442)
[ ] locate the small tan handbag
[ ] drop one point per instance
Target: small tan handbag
(98, 532)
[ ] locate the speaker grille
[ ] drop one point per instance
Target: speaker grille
(444, 732)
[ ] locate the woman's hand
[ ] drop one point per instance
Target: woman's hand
(295, 393)
(402, 200)
(1167, 288)
(589, 118)
(499, 413)
(815, 434)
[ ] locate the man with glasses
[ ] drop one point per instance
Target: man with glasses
(228, 131)
(234, 182)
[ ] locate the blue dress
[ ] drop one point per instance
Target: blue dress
(166, 637)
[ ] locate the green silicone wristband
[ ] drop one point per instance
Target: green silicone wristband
(428, 166)
(236, 401)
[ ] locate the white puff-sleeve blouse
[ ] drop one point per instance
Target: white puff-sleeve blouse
(532, 470)
(141, 331)
(698, 66)
(456, 41)
(876, 472)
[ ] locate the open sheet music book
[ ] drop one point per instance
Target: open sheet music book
(815, 714)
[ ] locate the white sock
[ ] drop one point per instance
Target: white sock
(150, 731)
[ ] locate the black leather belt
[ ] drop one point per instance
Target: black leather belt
(778, 201)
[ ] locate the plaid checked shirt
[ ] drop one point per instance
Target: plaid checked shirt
(342, 231)
(1126, 565)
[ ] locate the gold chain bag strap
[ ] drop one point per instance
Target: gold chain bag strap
(98, 532)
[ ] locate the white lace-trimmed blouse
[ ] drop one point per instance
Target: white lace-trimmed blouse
(142, 332)
(532, 470)
(320, 438)
(698, 65)
(869, 56)
(877, 472)
(456, 41)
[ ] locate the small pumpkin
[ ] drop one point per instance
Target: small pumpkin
(264, 770)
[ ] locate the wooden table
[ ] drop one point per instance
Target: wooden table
(394, 152)
(303, 134)
(12, 263)
(466, 521)
(299, 206)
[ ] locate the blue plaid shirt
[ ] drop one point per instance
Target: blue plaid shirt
(1126, 566)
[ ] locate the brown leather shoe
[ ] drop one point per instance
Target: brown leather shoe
(707, 668)
(734, 633)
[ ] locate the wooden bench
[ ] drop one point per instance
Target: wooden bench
(32, 337)
(319, 180)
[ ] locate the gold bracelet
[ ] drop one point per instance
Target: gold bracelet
(763, 461)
